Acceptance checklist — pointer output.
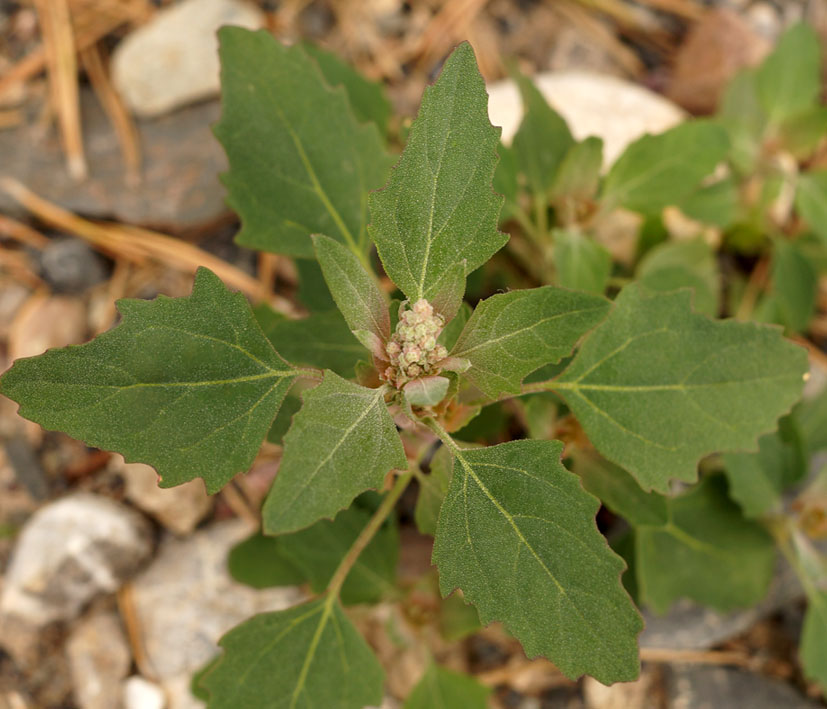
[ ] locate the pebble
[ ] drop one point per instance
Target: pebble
(69, 552)
(71, 266)
(614, 109)
(99, 659)
(172, 60)
(140, 693)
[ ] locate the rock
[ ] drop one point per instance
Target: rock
(616, 110)
(179, 190)
(709, 687)
(178, 508)
(99, 659)
(46, 321)
(688, 626)
(186, 599)
(716, 47)
(69, 552)
(140, 693)
(71, 266)
(643, 693)
(173, 59)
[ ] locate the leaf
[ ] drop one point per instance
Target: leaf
(542, 140)
(320, 340)
(291, 404)
(656, 387)
(432, 489)
(457, 620)
(620, 492)
(715, 204)
(355, 291)
(800, 134)
(794, 286)
(740, 113)
(579, 173)
(517, 534)
(757, 480)
(367, 98)
(707, 552)
(511, 334)
(789, 80)
(444, 689)
(812, 416)
(452, 330)
(426, 391)
(260, 562)
(438, 207)
(658, 170)
(813, 648)
(580, 262)
(186, 385)
(318, 550)
(342, 442)
(506, 182)
(307, 656)
(684, 264)
(300, 163)
(811, 201)
(313, 291)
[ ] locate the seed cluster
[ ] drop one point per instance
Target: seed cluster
(413, 350)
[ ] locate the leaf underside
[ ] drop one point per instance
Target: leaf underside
(188, 385)
(656, 387)
(443, 689)
(517, 534)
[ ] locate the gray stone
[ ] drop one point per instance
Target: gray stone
(69, 552)
(71, 266)
(99, 659)
(688, 626)
(186, 599)
(181, 160)
(705, 687)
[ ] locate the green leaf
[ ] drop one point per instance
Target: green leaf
(542, 140)
(812, 417)
(579, 173)
(438, 208)
(355, 291)
(813, 648)
(506, 182)
(707, 552)
(715, 204)
(342, 442)
(517, 535)
(511, 334)
(186, 385)
(432, 489)
(444, 689)
(260, 562)
(789, 80)
(426, 391)
(811, 201)
(317, 551)
(289, 407)
(620, 492)
(800, 134)
(308, 656)
(743, 118)
(320, 340)
(684, 264)
(457, 619)
(658, 170)
(452, 330)
(300, 163)
(580, 262)
(757, 480)
(313, 291)
(367, 98)
(794, 286)
(656, 387)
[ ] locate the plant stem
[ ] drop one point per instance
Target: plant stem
(368, 533)
(310, 373)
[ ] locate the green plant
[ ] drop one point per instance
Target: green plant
(389, 390)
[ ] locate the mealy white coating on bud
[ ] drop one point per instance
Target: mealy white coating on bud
(413, 350)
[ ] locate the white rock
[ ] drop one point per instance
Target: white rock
(140, 693)
(99, 659)
(186, 599)
(178, 508)
(173, 60)
(69, 552)
(616, 110)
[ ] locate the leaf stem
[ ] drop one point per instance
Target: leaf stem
(310, 373)
(368, 532)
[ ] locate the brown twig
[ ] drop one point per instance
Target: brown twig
(22, 232)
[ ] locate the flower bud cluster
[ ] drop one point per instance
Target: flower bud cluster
(413, 350)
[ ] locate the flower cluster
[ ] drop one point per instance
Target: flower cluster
(413, 350)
